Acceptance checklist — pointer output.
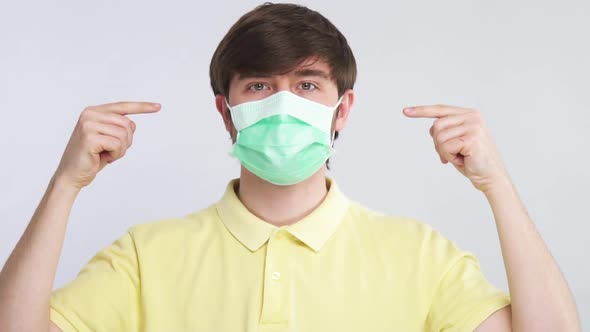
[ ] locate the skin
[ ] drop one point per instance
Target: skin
(541, 300)
(102, 136)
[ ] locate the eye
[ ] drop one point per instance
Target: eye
(257, 87)
(308, 86)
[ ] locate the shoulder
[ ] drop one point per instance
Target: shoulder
(175, 229)
(391, 225)
(404, 234)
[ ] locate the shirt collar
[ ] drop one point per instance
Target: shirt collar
(314, 230)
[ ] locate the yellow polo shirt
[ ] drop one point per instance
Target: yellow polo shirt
(342, 268)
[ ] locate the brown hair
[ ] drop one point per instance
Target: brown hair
(276, 38)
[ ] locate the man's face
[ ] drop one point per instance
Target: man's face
(309, 80)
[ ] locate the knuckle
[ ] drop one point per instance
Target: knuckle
(118, 143)
(116, 151)
(86, 125)
(85, 114)
(436, 144)
(438, 132)
(437, 125)
(122, 151)
(479, 123)
(477, 115)
(438, 136)
(128, 125)
(126, 140)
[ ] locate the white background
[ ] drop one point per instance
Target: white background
(525, 65)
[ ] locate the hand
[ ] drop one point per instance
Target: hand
(102, 135)
(461, 138)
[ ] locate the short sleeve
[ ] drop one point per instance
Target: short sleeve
(464, 297)
(105, 294)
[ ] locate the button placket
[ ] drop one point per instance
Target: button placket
(275, 298)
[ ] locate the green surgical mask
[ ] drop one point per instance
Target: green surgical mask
(283, 139)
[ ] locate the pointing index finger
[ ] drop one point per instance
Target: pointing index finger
(129, 107)
(433, 111)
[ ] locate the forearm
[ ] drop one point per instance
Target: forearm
(26, 281)
(541, 298)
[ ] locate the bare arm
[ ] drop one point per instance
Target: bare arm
(101, 136)
(27, 278)
(541, 299)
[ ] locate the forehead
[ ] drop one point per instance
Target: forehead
(308, 67)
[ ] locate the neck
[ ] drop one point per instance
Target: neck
(281, 205)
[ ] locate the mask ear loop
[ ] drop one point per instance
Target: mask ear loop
(227, 104)
(332, 149)
(230, 152)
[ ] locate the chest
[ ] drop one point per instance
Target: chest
(285, 287)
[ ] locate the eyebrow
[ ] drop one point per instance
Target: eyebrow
(312, 72)
(252, 75)
(298, 73)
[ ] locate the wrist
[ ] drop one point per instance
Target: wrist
(61, 185)
(497, 187)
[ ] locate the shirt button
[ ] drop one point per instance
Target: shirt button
(276, 275)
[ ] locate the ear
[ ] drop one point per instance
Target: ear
(223, 111)
(344, 110)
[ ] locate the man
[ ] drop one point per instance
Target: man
(283, 249)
